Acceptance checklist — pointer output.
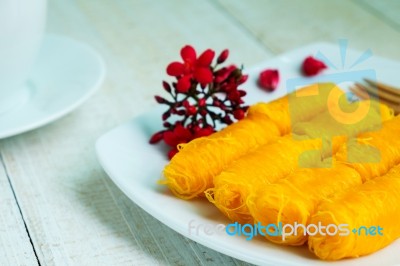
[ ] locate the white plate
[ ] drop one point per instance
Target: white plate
(65, 75)
(135, 166)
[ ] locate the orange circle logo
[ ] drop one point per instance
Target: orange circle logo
(343, 117)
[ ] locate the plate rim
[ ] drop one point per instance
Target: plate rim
(159, 216)
(46, 119)
(162, 218)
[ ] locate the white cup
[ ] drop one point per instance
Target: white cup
(22, 24)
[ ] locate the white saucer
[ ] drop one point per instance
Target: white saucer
(65, 75)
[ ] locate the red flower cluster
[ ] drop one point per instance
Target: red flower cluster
(203, 95)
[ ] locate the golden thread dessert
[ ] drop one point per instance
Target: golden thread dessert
(292, 200)
(262, 167)
(259, 168)
(192, 170)
(253, 171)
(372, 210)
(269, 163)
(344, 121)
(298, 106)
(372, 154)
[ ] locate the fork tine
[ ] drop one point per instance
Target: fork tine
(360, 93)
(383, 87)
(380, 93)
(365, 96)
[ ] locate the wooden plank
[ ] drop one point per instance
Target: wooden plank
(74, 213)
(387, 11)
(16, 248)
(287, 24)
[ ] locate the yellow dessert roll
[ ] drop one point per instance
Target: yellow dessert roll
(192, 170)
(373, 153)
(291, 201)
(234, 184)
(298, 106)
(264, 166)
(344, 120)
(367, 217)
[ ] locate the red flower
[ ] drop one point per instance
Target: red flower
(312, 66)
(222, 74)
(156, 137)
(269, 79)
(202, 102)
(234, 96)
(223, 56)
(184, 84)
(192, 67)
(203, 132)
(208, 96)
(190, 109)
(238, 114)
(181, 134)
(177, 136)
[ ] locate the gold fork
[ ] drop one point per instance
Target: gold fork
(386, 94)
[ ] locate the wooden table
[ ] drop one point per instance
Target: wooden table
(57, 206)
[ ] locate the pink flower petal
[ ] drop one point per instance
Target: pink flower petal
(312, 66)
(269, 79)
